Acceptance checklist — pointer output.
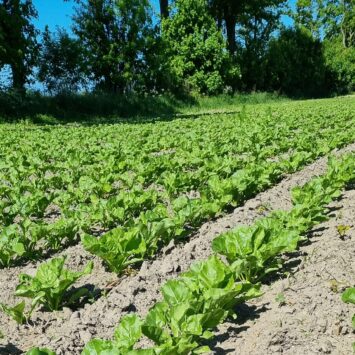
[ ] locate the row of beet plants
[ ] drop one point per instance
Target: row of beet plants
(194, 304)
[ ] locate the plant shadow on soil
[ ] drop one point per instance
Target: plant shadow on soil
(93, 294)
(245, 312)
(10, 349)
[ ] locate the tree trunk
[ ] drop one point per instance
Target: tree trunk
(164, 8)
(18, 78)
(230, 27)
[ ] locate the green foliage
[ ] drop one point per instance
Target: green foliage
(12, 246)
(286, 59)
(117, 35)
(256, 26)
(340, 62)
(348, 296)
(204, 296)
(126, 335)
(40, 351)
(125, 201)
(280, 299)
(62, 62)
(203, 46)
(50, 285)
(18, 43)
(192, 306)
(196, 50)
(116, 247)
(338, 18)
(308, 16)
(140, 195)
(256, 249)
(17, 312)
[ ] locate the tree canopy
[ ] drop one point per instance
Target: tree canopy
(199, 46)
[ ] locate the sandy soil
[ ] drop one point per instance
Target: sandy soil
(68, 330)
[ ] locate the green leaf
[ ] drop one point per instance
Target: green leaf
(175, 292)
(128, 332)
(118, 248)
(154, 326)
(212, 273)
(100, 347)
(16, 312)
(202, 350)
(348, 295)
(40, 351)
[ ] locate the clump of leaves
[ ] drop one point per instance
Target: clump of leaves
(335, 285)
(126, 335)
(253, 252)
(50, 285)
(40, 351)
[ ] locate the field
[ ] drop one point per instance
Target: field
(227, 231)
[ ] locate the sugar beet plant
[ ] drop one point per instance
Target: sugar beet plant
(49, 288)
(149, 182)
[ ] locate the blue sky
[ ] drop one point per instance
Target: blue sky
(58, 13)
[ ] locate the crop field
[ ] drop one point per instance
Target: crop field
(217, 233)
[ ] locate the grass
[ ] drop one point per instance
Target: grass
(230, 102)
(97, 108)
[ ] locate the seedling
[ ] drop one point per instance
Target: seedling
(280, 299)
(17, 313)
(343, 230)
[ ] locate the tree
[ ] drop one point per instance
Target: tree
(307, 16)
(249, 25)
(18, 44)
(340, 62)
(164, 8)
(338, 19)
(295, 64)
(95, 25)
(62, 62)
(256, 26)
(197, 54)
(116, 34)
(227, 12)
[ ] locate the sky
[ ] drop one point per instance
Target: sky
(58, 13)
